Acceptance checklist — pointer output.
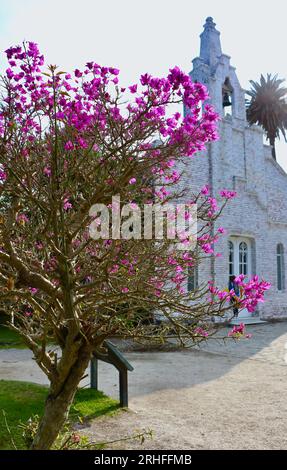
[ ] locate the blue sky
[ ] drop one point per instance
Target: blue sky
(150, 35)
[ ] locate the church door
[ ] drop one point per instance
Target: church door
(239, 261)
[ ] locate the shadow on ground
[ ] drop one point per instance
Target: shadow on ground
(184, 368)
(219, 397)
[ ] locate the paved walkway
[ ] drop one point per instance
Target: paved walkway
(230, 396)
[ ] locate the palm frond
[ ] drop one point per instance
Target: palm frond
(267, 106)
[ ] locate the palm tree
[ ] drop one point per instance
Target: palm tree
(268, 108)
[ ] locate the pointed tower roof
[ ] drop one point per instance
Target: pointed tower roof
(213, 69)
(210, 46)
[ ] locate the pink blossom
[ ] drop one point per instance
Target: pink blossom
(47, 171)
(39, 245)
(238, 332)
(33, 290)
(10, 73)
(207, 248)
(114, 269)
(76, 438)
(3, 175)
(201, 332)
(28, 313)
(82, 143)
(133, 88)
(228, 194)
(22, 219)
(67, 205)
(145, 79)
(205, 190)
(114, 71)
(69, 145)
(77, 73)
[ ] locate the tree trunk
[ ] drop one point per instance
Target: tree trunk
(58, 405)
(272, 143)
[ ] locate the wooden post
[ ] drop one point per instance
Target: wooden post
(115, 357)
(124, 401)
(94, 373)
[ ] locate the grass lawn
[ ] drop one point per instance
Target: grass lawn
(10, 339)
(21, 400)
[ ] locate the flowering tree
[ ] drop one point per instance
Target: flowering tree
(66, 144)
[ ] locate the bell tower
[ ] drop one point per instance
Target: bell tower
(213, 69)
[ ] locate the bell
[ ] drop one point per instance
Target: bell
(226, 100)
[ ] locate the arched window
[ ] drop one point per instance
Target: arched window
(243, 258)
(280, 267)
(192, 278)
(231, 258)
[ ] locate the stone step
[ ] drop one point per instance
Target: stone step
(247, 321)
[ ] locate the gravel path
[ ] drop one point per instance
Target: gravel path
(229, 396)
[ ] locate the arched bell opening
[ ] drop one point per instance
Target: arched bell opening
(227, 97)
